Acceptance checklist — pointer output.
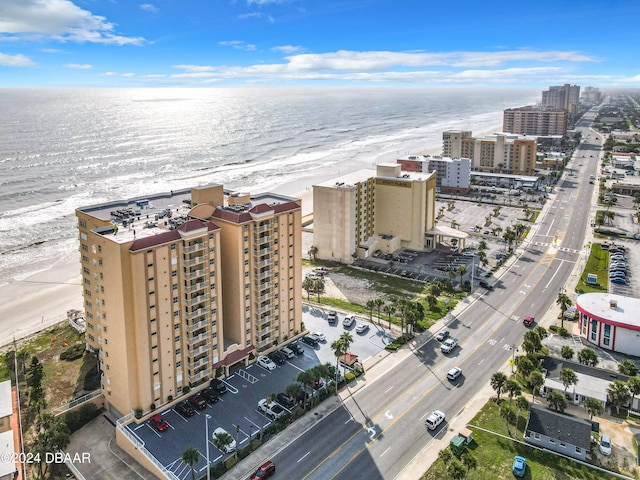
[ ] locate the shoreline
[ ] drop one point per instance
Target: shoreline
(44, 297)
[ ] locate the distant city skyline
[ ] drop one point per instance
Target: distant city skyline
(201, 43)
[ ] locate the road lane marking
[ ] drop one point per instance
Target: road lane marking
(389, 389)
(382, 454)
(481, 361)
(304, 456)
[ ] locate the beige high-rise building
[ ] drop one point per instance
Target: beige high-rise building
(565, 97)
(534, 121)
(368, 210)
(498, 153)
(180, 286)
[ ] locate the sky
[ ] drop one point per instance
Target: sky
(225, 43)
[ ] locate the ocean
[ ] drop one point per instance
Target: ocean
(61, 149)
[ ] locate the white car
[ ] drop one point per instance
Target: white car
(348, 321)
(435, 419)
(266, 362)
(272, 410)
(362, 328)
(454, 373)
(229, 447)
(605, 445)
(321, 336)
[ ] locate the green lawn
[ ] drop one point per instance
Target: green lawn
(597, 263)
(495, 454)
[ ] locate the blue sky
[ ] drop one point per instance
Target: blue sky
(205, 43)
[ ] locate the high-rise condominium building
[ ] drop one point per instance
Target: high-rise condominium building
(566, 97)
(452, 142)
(369, 210)
(534, 121)
(498, 153)
(180, 286)
(453, 175)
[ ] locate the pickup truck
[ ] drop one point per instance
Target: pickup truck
(448, 345)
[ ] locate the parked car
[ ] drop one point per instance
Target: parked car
(159, 423)
(332, 317)
(348, 321)
(454, 373)
(605, 445)
(519, 466)
(229, 447)
(617, 273)
(287, 352)
(442, 335)
(271, 409)
(198, 402)
(266, 362)
(297, 349)
(528, 321)
(310, 340)
(264, 471)
(184, 408)
(322, 270)
(286, 401)
(219, 385)
(211, 395)
(321, 336)
(278, 357)
(362, 328)
(435, 419)
(449, 345)
(619, 280)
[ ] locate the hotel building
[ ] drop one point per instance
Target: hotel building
(178, 287)
(453, 175)
(531, 120)
(565, 97)
(369, 210)
(497, 153)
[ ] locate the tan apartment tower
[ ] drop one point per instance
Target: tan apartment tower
(368, 210)
(154, 280)
(534, 121)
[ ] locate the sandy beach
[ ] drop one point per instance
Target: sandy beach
(43, 299)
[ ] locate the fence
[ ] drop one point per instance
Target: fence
(77, 401)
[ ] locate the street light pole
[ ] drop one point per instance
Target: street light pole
(206, 429)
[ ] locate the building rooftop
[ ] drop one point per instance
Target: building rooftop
(611, 309)
(562, 427)
(158, 215)
(524, 178)
(349, 180)
(6, 404)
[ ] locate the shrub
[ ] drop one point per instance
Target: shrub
(186, 389)
(72, 353)
(138, 412)
(152, 406)
(77, 419)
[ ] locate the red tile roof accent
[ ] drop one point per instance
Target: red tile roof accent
(233, 357)
(261, 208)
(230, 216)
(285, 207)
(170, 236)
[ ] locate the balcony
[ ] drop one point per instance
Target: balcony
(194, 261)
(194, 248)
(260, 276)
(265, 263)
(264, 239)
(196, 287)
(264, 309)
(261, 286)
(199, 363)
(198, 338)
(263, 228)
(199, 350)
(195, 274)
(199, 376)
(263, 298)
(197, 313)
(195, 300)
(262, 251)
(197, 325)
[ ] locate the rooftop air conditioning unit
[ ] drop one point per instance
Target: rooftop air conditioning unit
(613, 304)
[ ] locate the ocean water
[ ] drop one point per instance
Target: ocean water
(65, 148)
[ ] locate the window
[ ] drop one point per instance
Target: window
(607, 335)
(178, 364)
(177, 339)
(174, 273)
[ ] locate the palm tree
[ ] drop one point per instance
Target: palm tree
(462, 270)
(389, 309)
(318, 287)
(593, 407)
(338, 348)
(525, 365)
(456, 470)
(432, 301)
(568, 377)
(627, 367)
(445, 455)
(506, 412)
(190, 456)
(496, 211)
(308, 284)
(347, 339)
(564, 302)
(513, 388)
(379, 303)
(498, 382)
(509, 237)
(536, 381)
(533, 337)
(312, 252)
(633, 384)
(618, 394)
(469, 461)
(566, 352)
(306, 378)
(521, 404)
(482, 245)
(587, 356)
(557, 401)
(371, 303)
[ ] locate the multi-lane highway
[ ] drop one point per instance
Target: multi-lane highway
(380, 428)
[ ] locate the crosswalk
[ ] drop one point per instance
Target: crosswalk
(559, 249)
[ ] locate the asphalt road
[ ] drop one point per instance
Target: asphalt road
(381, 427)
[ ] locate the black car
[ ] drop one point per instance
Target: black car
(486, 285)
(278, 357)
(310, 340)
(197, 402)
(185, 409)
(298, 350)
(218, 385)
(211, 395)
(286, 401)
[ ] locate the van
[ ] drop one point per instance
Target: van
(288, 352)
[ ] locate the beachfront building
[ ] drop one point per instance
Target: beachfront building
(497, 153)
(8, 437)
(562, 97)
(531, 120)
(368, 210)
(453, 175)
(591, 96)
(610, 321)
(180, 286)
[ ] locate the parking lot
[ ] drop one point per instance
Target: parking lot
(236, 411)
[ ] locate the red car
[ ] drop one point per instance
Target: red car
(264, 471)
(159, 423)
(528, 321)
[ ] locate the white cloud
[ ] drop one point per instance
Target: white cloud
(57, 19)
(77, 66)
(148, 7)
(288, 49)
(238, 45)
(15, 60)
(257, 15)
(128, 74)
(267, 2)
(109, 74)
(195, 68)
